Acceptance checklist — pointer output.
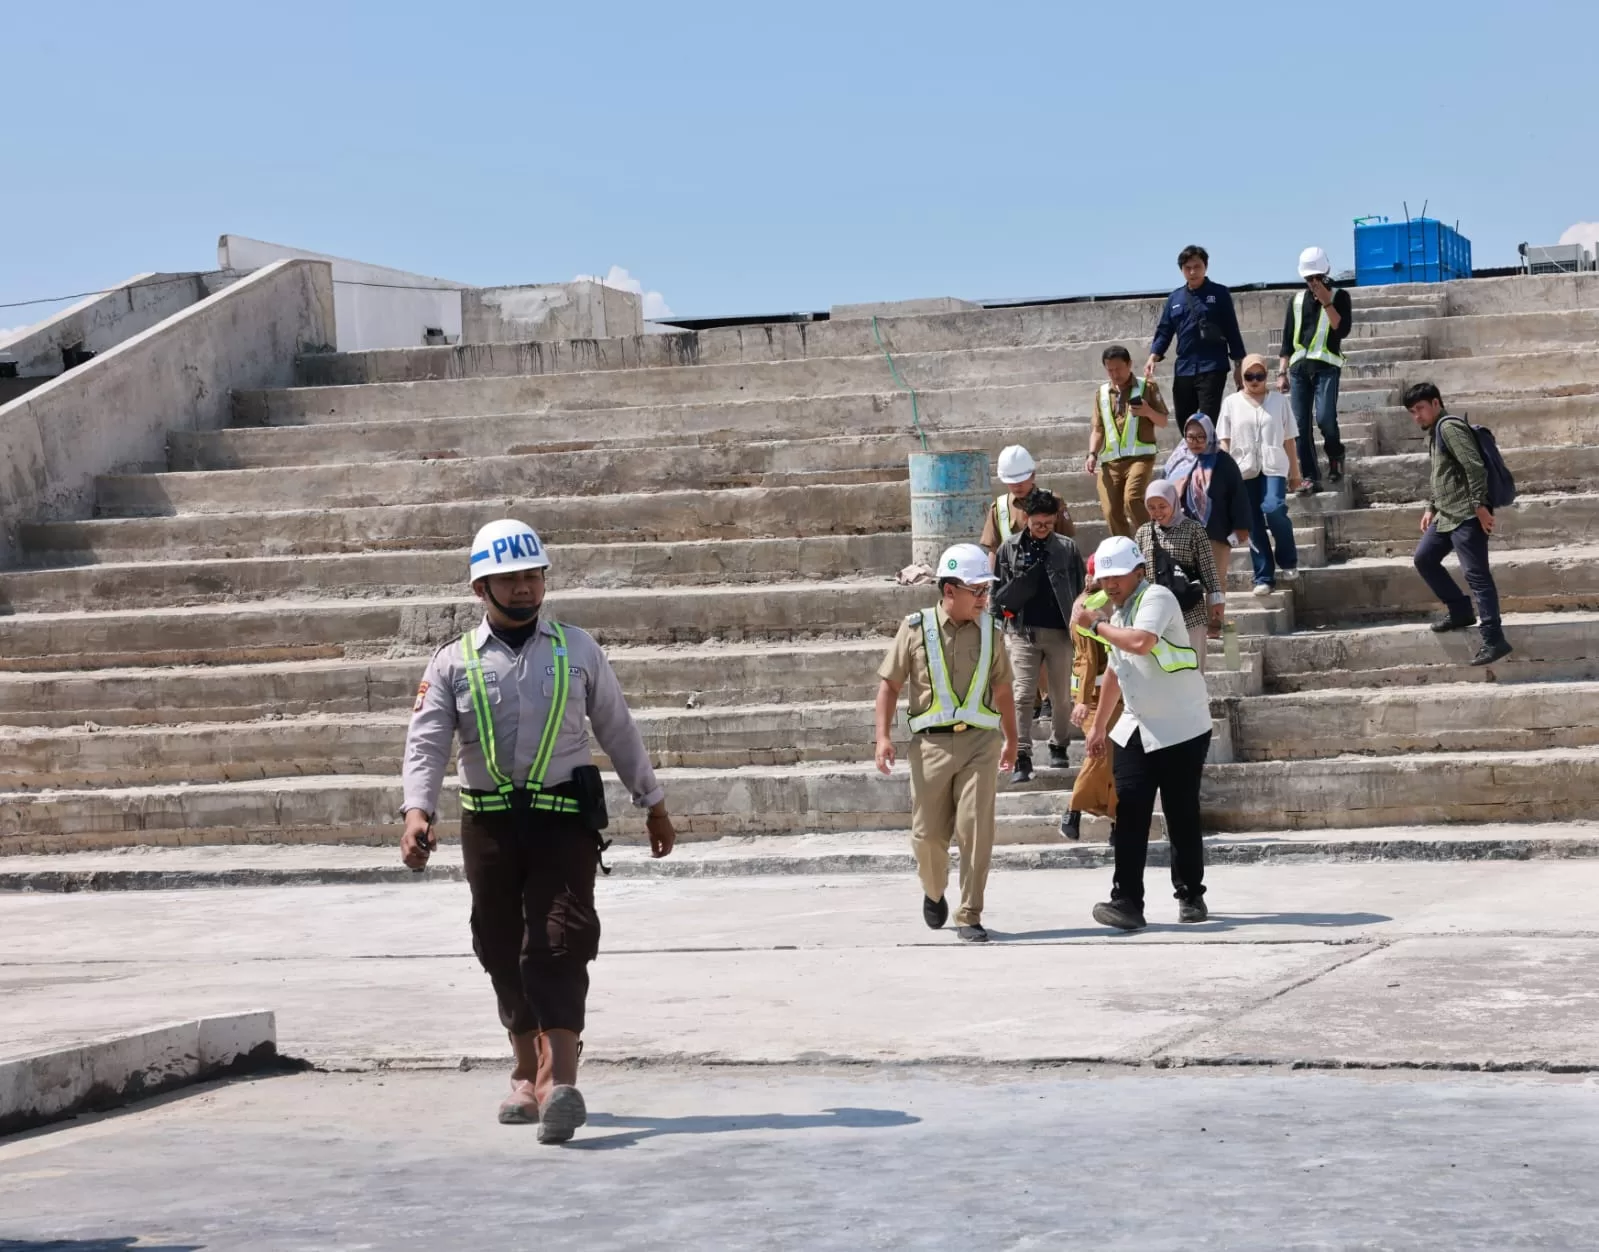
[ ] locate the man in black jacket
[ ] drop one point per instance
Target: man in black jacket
(1039, 574)
(1317, 322)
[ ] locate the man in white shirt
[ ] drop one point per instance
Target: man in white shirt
(1161, 737)
(1257, 429)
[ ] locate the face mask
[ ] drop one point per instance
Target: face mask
(520, 615)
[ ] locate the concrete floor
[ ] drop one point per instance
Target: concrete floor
(823, 1158)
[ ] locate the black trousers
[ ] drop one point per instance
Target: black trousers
(1174, 773)
(1469, 542)
(534, 925)
(1197, 393)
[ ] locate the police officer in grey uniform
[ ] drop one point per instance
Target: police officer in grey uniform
(517, 689)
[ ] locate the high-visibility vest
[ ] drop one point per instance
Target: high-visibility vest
(1318, 349)
(1120, 447)
(970, 712)
(1170, 657)
(1002, 517)
(502, 798)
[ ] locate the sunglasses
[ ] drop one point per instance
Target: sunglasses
(1255, 377)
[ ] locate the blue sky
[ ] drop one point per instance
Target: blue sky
(762, 157)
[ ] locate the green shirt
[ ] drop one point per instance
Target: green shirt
(1459, 479)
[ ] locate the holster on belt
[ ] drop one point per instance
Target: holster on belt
(589, 789)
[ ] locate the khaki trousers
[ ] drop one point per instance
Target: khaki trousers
(1095, 789)
(1121, 493)
(954, 779)
(1028, 650)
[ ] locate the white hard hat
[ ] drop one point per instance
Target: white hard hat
(1117, 555)
(967, 562)
(506, 546)
(1016, 464)
(1313, 261)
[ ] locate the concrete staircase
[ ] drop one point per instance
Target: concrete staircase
(227, 651)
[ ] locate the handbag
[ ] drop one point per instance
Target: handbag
(1170, 574)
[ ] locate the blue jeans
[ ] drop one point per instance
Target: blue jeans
(1315, 383)
(1470, 544)
(1268, 522)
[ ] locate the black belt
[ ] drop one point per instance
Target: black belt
(936, 730)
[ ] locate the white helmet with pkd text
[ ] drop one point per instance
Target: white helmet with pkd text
(1314, 261)
(966, 562)
(1016, 464)
(504, 547)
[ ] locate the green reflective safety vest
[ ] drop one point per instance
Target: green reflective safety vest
(1318, 349)
(1169, 656)
(1123, 446)
(970, 712)
(1002, 517)
(503, 798)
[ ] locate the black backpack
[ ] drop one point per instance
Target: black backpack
(1501, 482)
(1172, 576)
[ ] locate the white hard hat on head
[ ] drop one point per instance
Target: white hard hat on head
(967, 562)
(1117, 555)
(506, 546)
(1016, 464)
(1313, 261)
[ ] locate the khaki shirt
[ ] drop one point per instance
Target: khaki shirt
(1118, 413)
(906, 662)
(521, 688)
(1018, 523)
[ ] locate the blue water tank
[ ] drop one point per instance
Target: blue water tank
(949, 495)
(1421, 250)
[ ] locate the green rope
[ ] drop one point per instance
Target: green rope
(916, 413)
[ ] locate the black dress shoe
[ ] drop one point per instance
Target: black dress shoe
(934, 912)
(1024, 769)
(1057, 757)
(973, 933)
(1121, 914)
(1453, 621)
(1491, 651)
(1192, 910)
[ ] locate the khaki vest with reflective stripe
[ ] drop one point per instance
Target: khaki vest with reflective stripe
(1318, 349)
(944, 711)
(1125, 445)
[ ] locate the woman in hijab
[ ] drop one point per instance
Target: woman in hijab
(1184, 540)
(1211, 489)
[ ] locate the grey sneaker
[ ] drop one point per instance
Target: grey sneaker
(973, 933)
(561, 1115)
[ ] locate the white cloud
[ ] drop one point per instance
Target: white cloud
(655, 305)
(1585, 233)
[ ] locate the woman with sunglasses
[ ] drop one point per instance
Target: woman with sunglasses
(1257, 430)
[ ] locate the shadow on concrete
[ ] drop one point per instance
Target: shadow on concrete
(654, 1127)
(128, 1243)
(1219, 923)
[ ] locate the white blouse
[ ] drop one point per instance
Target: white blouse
(1257, 433)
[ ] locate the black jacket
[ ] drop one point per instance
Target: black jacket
(1063, 566)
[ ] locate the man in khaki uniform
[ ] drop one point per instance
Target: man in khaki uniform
(1121, 440)
(962, 717)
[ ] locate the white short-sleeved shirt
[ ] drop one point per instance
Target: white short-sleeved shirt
(1257, 432)
(1166, 708)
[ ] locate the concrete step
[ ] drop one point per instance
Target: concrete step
(716, 675)
(1539, 421)
(1530, 580)
(358, 629)
(1506, 373)
(703, 563)
(373, 744)
(1390, 530)
(1549, 647)
(1477, 786)
(1404, 478)
(1456, 717)
(1309, 540)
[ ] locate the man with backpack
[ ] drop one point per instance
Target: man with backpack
(1469, 480)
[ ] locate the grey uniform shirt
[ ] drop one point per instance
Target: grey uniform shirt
(521, 688)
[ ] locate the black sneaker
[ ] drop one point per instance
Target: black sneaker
(1057, 757)
(1491, 651)
(1192, 910)
(1452, 621)
(1047, 709)
(935, 912)
(1024, 769)
(1071, 826)
(1121, 914)
(973, 933)
(1335, 470)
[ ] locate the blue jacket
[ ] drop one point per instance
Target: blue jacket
(1182, 317)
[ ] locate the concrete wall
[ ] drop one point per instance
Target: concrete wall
(374, 307)
(101, 322)
(116, 410)
(550, 311)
